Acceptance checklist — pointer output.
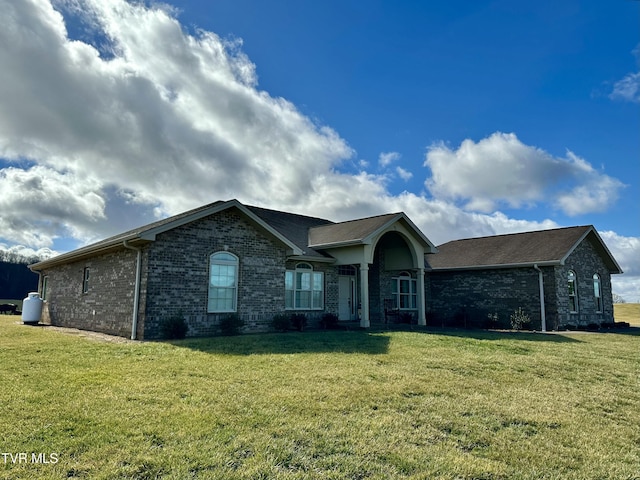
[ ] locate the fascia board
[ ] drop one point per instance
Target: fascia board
(548, 263)
(592, 230)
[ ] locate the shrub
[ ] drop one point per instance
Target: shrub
(329, 321)
(231, 324)
(519, 319)
(280, 322)
(299, 321)
(493, 320)
(174, 327)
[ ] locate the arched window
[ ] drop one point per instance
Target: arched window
(405, 291)
(572, 282)
(223, 282)
(304, 288)
(597, 292)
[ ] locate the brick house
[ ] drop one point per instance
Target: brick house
(559, 277)
(228, 257)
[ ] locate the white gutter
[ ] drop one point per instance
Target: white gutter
(136, 293)
(543, 317)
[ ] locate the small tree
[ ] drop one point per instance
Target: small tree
(519, 319)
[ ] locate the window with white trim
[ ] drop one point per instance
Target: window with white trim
(405, 291)
(597, 292)
(572, 283)
(223, 282)
(304, 288)
(45, 284)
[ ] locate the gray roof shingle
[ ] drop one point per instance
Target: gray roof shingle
(543, 247)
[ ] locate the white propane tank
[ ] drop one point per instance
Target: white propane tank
(32, 308)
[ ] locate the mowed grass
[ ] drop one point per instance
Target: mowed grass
(627, 312)
(356, 405)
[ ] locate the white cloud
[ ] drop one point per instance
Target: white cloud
(40, 204)
(626, 251)
(404, 174)
(386, 159)
(628, 88)
(501, 170)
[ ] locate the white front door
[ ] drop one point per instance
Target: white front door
(346, 296)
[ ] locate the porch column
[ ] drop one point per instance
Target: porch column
(422, 296)
(364, 295)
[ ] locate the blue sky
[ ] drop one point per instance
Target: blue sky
(473, 117)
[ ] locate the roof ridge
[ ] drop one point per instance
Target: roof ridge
(293, 214)
(363, 218)
(528, 232)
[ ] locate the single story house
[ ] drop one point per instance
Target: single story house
(230, 258)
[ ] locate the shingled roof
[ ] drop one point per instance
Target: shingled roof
(543, 247)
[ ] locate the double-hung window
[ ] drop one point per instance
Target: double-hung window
(223, 282)
(572, 283)
(405, 292)
(304, 288)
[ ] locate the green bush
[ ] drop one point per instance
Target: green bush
(329, 321)
(174, 327)
(281, 322)
(299, 321)
(231, 324)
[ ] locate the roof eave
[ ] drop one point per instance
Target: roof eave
(545, 263)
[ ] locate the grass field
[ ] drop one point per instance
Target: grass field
(357, 405)
(627, 312)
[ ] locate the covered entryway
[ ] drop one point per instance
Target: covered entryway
(378, 247)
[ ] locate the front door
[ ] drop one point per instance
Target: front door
(346, 297)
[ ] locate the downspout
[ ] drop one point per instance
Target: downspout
(543, 317)
(136, 293)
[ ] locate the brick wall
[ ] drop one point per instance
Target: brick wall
(177, 279)
(106, 307)
(465, 299)
(584, 261)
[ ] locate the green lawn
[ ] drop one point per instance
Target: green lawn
(357, 405)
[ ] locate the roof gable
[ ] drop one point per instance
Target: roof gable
(543, 247)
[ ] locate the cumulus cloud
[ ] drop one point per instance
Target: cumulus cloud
(501, 170)
(40, 204)
(173, 118)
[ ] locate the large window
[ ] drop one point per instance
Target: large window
(597, 292)
(223, 282)
(405, 292)
(573, 291)
(304, 288)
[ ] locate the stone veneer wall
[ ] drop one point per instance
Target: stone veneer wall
(107, 306)
(178, 274)
(584, 261)
(466, 298)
